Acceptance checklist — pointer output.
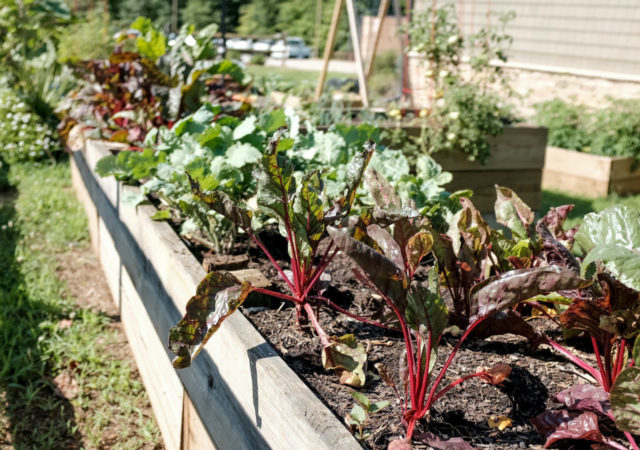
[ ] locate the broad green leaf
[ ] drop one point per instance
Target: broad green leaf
(240, 154)
(247, 127)
(622, 262)
(636, 351)
(274, 120)
(381, 271)
(625, 400)
(308, 215)
(217, 297)
(152, 43)
(222, 204)
(162, 214)
(418, 247)
(229, 68)
(617, 225)
(505, 290)
(512, 212)
(348, 358)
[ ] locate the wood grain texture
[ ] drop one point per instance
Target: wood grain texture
(238, 386)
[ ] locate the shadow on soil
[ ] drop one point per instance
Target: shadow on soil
(31, 414)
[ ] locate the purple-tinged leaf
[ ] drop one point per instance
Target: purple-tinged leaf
(555, 253)
(218, 295)
(348, 358)
(555, 218)
(389, 246)
(308, 215)
(450, 444)
(585, 397)
(625, 400)
(417, 248)
(512, 212)
(381, 190)
(555, 426)
(505, 290)
(389, 279)
(585, 315)
(508, 321)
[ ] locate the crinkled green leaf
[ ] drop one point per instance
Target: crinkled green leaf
(505, 290)
(222, 204)
(426, 312)
(381, 271)
(512, 212)
(348, 358)
(217, 297)
(622, 262)
(245, 128)
(241, 154)
(625, 400)
(308, 215)
(617, 225)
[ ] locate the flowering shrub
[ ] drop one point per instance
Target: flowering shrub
(24, 136)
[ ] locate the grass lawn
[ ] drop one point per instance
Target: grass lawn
(584, 205)
(62, 384)
(293, 75)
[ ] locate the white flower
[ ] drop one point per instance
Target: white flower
(452, 39)
(451, 136)
(440, 103)
(10, 223)
(444, 73)
(454, 115)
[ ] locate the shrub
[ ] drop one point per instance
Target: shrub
(24, 136)
(566, 123)
(258, 59)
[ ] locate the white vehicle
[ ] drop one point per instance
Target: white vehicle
(262, 46)
(294, 47)
(243, 45)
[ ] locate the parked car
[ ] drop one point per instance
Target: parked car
(294, 47)
(262, 46)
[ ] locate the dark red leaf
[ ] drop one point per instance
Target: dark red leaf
(585, 397)
(450, 444)
(558, 425)
(498, 373)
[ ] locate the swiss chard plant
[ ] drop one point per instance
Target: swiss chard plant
(608, 312)
(124, 97)
(389, 247)
(302, 213)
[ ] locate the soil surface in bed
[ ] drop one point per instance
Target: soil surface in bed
(464, 411)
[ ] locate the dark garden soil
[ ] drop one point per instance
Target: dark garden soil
(463, 412)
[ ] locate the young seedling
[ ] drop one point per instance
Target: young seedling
(361, 411)
(302, 217)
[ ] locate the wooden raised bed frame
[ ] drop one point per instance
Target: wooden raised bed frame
(238, 393)
(589, 175)
(517, 159)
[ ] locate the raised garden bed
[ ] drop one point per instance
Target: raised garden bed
(517, 160)
(589, 175)
(238, 393)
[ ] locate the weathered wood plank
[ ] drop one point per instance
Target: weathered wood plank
(194, 434)
(90, 209)
(163, 385)
(238, 385)
(574, 184)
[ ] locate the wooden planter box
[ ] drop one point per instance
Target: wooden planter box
(517, 159)
(238, 394)
(589, 175)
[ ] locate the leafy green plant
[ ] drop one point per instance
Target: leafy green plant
(24, 136)
(303, 213)
(609, 313)
(389, 246)
(361, 411)
(462, 112)
(609, 131)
